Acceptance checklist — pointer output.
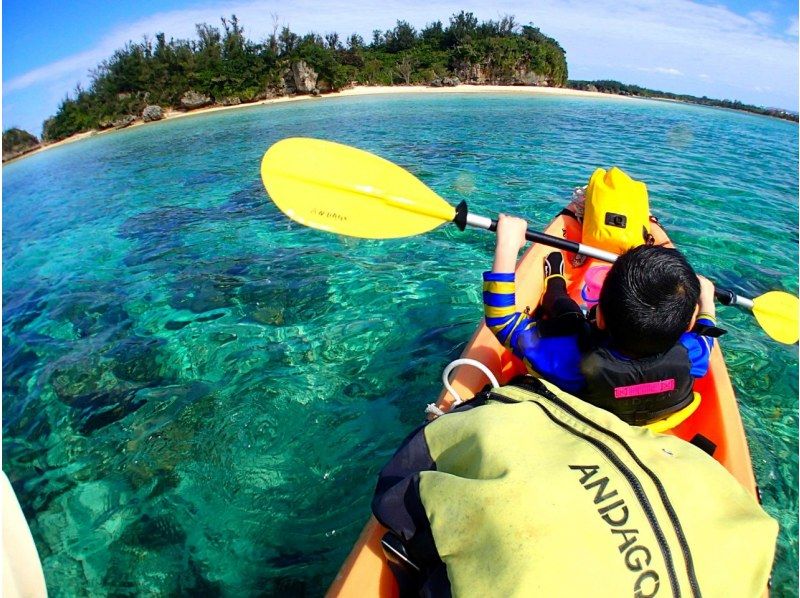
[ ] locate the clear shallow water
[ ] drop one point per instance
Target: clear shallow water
(198, 393)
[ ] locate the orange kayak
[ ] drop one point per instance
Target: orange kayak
(365, 572)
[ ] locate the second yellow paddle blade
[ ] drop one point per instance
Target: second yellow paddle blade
(348, 191)
(776, 311)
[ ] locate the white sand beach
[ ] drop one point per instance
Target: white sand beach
(350, 92)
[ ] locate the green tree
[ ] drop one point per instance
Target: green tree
(355, 42)
(16, 141)
(287, 41)
(433, 35)
(462, 30)
(401, 38)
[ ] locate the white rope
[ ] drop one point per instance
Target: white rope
(474, 363)
(432, 408)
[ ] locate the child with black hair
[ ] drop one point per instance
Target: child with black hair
(638, 357)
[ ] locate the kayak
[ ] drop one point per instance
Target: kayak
(716, 418)
(22, 569)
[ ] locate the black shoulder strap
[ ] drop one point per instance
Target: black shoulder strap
(568, 212)
(704, 444)
(707, 330)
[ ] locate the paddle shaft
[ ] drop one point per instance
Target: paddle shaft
(725, 296)
(549, 240)
(728, 297)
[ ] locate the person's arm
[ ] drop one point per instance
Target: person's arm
(698, 346)
(555, 359)
(708, 310)
(499, 302)
(510, 239)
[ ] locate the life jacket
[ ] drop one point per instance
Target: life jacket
(616, 212)
(638, 391)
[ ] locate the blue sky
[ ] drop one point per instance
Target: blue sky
(734, 49)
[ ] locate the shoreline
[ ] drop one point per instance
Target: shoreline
(361, 90)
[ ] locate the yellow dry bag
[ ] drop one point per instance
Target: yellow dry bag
(617, 213)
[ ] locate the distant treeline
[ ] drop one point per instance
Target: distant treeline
(228, 68)
(616, 87)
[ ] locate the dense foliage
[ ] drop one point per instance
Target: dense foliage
(228, 68)
(16, 142)
(606, 86)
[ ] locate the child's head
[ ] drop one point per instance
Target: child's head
(648, 300)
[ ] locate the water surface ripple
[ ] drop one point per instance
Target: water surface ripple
(198, 393)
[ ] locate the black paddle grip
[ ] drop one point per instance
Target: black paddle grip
(549, 240)
(461, 215)
(725, 296)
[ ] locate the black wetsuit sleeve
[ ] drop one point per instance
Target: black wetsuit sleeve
(397, 503)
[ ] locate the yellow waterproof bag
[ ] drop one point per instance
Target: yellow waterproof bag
(617, 212)
(526, 490)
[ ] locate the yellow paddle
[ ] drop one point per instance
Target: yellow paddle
(775, 311)
(344, 190)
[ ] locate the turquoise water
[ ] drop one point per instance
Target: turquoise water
(198, 393)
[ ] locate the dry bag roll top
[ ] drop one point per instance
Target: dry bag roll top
(617, 212)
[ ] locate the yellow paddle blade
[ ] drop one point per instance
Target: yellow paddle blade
(776, 311)
(348, 191)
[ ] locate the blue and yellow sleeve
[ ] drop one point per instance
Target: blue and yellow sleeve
(699, 347)
(556, 359)
(500, 309)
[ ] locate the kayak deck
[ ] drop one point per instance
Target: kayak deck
(365, 572)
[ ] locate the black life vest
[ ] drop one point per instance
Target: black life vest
(638, 391)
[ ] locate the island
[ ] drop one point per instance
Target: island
(159, 78)
(223, 67)
(617, 88)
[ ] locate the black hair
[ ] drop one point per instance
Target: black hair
(648, 300)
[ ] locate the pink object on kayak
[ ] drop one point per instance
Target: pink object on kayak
(592, 283)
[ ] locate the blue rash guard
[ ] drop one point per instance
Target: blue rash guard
(557, 359)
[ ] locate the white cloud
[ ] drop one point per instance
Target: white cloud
(761, 18)
(77, 63)
(601, 37)
(177, 24)
(792, 29)
(660, 69)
